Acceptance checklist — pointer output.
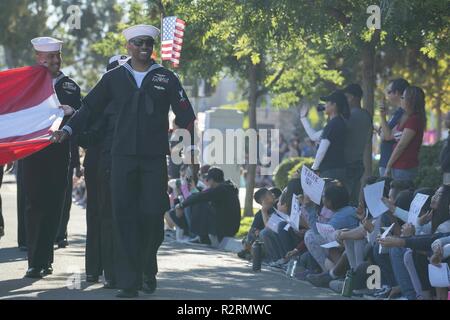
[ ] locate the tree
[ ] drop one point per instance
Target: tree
(22, 20)
(342, 27)
(252, 40)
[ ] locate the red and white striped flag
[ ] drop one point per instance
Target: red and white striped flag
(172, 39)
(29, 112)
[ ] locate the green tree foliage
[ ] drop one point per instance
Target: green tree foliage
(22, 20)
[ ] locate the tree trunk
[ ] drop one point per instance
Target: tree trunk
(438, 103)
(251, 173)
(438, 117)
(368, 86)
(10, 58)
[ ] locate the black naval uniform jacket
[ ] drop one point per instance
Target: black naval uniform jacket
(69, 93)
(137, 117)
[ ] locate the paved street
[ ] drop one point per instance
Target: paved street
(186, 271)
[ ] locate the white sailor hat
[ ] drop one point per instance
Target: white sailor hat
(46, 44)
(140, 30)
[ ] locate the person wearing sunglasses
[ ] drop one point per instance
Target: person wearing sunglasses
(393, 94)
(137, 97)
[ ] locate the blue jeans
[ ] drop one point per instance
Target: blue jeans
(382, 170)
(401, 273)
(404, 174)
(272, 246)
(288, 240)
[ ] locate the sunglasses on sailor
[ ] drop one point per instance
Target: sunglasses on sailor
(139, 42)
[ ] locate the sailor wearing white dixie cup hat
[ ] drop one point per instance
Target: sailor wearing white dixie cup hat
(138, 96)
(45, 173)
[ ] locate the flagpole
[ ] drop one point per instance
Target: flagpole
(160, 49)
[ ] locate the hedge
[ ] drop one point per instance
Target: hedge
(430, 174)
(287, 168)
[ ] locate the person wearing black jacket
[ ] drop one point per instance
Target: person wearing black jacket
(137, 95)
(45, 173)
(21, 206)
(61, 238)
(225, 218)
(97, 170)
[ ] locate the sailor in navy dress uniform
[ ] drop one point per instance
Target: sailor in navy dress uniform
(136, 97)
(99, 254)
(45, 173)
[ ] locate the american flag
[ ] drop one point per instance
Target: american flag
(172, 39)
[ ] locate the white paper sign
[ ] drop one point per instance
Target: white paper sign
(274, 221)
(333, 244)
(312, 185)
(283, 215)
(326, 231)
(373, 193)
(416, 206)
(384, 235)
(439, 276)
(294, 219)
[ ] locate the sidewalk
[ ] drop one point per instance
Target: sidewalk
(185, 271)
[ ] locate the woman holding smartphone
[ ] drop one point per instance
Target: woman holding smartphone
(330, 158)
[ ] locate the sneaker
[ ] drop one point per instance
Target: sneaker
(363, 292)
(383, 292)
(321, 280)
(242, 254)
(183, 239)
(337, 285)
(179, 234)
(194, 240)
(214, 241)
(169, 233)
(302, 275)
(399, 298)
(278, 264)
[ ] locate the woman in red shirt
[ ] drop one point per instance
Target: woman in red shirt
(404, 161)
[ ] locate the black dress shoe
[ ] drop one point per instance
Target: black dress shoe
(46, 271)
(122, 293)
(109, 284)
(34, 273)
(91, 278)
(62, 244)
(149, 285)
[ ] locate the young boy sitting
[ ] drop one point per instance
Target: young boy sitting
(266, 199)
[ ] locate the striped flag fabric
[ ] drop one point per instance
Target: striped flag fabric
(172, 39)
(29, 112)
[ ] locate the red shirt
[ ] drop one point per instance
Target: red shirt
(410, 157)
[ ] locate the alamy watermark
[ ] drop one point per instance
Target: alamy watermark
(74, 20)
(374, 280)
(73, 282)
(232, 146)
(374, 20)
